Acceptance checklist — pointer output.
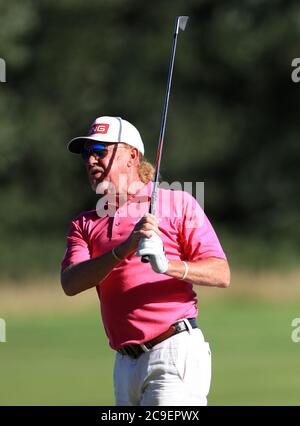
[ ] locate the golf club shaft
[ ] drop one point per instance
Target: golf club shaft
(179, 23)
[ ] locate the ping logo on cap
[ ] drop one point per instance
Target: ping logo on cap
(99, 128)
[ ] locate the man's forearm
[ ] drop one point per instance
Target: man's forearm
(212, 272)
(84, 275)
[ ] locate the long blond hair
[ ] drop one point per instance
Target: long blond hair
(145, 170)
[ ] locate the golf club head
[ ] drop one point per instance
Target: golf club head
(182, 21)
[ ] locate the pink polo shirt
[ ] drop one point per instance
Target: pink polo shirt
(137, 303)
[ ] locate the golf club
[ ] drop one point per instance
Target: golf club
(180, 23)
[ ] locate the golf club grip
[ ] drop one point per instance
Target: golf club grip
(146, 257)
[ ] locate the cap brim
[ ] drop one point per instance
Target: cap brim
(76, 145)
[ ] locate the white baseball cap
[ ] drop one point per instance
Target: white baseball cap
(109, 129)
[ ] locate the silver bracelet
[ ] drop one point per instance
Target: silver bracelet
(186, 270)
(116, 256)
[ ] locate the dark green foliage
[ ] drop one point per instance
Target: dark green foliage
(233, 117)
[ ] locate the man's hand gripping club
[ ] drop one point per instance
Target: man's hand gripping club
(152, 246)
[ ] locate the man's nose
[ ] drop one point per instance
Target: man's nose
(92, 160)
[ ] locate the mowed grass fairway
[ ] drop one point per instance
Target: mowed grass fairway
(57, 353)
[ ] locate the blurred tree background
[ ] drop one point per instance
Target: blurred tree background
(233, 119)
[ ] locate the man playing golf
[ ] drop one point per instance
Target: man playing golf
(148, 310)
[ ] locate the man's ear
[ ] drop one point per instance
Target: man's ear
(134, 153)
(134, 157)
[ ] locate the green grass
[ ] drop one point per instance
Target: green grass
(55, 360)
(64, 359)
(255, 361)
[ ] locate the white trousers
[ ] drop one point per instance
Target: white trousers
(176, 372)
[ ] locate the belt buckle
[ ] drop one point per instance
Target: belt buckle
(183, 325)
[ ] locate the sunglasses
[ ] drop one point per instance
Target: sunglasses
(97, 150)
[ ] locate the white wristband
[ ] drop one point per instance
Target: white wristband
(116, 256)
(186, 270)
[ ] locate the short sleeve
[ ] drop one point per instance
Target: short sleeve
(198, 236)
(77, 246)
